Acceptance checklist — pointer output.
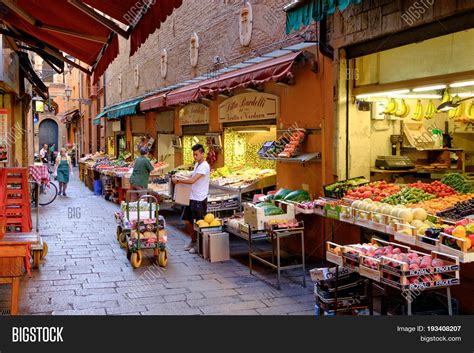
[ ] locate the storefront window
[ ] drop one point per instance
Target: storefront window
(241, 146)
(188, 143)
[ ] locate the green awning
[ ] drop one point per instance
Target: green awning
(118, 110)
(311, 11)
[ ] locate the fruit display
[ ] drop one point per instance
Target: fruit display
(291, 148)
(337, 189)
(418, 113)
(408, 196)
(462, 236)
(376, 191)
(457, 182)
(458, 211)
(269, 209)
(403, 110)
(239, 177)
(209, 221)
(436, 188)
(440, 204)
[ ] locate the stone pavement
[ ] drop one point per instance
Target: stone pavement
(87, 273)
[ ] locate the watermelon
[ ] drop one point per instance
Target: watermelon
(269, 208)
(298, 196)
(281, 194)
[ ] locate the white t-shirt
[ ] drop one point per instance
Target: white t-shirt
(200, 189)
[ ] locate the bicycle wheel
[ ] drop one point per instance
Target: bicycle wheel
(48, 194)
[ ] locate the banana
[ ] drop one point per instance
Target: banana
(391, 107)
(403, 109)
(460, 112)
(470, 111)
(418, 113)
(446, 98)
(453, 112)
(430, 110)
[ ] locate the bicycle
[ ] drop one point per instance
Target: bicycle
(48, 192)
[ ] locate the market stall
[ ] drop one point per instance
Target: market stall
(417, 119)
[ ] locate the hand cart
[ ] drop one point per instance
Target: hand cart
(155, 227)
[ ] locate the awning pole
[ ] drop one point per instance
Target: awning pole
(99, 18)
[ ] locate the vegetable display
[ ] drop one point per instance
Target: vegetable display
(408, 196)
(459, 211)
(298, 196)
(270, 209)
(345, 184)
(440, 204)
(376, 191)
(436, 188)
(457, 182)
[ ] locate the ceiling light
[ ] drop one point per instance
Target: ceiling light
(418, 96)
(429, 88)
(462, 84)
(383, 94)
(465, 94)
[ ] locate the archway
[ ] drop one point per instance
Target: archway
(48, 132)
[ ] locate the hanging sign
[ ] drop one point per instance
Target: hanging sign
(3, 135)
(249, 106)
(194, 114)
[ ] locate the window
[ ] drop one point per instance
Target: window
(47, 72)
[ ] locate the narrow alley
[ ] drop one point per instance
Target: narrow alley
(87, 273)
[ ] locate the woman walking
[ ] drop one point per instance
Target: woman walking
(63, 170)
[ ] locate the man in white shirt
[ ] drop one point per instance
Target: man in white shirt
(44, 154)
(199, 181)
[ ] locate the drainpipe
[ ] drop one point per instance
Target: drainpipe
(324, 47)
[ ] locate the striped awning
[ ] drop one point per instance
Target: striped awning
(301, 13)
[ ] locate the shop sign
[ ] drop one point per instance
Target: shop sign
(3, 135)
(248, 107)
(194, 114)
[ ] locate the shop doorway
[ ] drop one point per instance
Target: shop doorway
(48, 133)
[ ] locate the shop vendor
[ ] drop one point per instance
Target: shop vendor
(199, 181)
(140, 176)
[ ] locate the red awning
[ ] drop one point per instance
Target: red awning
(271, 70)
(64, 26)
(153, 102)
(152, 20)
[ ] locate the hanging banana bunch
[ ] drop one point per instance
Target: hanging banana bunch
(391, 107)
(446, 98)
(454, 112)
(460, 110)
(418, 113)
(403, 109)
(470, 111)
(430, 110)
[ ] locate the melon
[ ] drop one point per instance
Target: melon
(368, 200)
(202, 223)
(356, 204)
(406, 215)
(371, 208)
(209, 218)
(420, 214)
(387, 210)
(394, 212)
(422, 230)
(417, 223)
(215, 223)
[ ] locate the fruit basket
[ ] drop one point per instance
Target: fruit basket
(334, 253)
(457, 246)
(370, 267)
(405, 233)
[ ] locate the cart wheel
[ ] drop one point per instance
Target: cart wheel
(129, 254)
(123, 240)
(44, 252)
(163, 258)
(119, 231)
(36, 258)
(136, 259)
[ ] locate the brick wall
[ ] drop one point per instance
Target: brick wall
(217, 25)
(376, 18)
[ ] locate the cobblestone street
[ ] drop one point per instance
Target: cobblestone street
(87, 273)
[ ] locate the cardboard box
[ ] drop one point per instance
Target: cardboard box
(182, 193)
(218, 247)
